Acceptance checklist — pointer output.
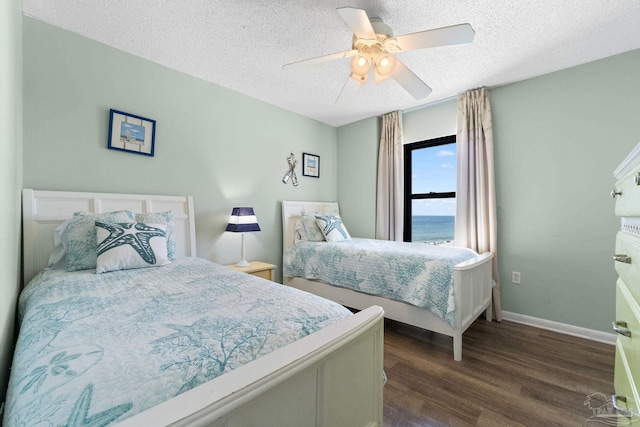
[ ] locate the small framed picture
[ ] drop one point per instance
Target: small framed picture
(131, 133)
(310, 165)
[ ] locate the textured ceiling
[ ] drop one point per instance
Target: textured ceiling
(242, 45)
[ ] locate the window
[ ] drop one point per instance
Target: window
(430, 190)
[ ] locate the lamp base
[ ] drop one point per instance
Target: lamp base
(244, 262)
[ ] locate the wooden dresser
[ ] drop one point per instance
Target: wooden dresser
(627, 264)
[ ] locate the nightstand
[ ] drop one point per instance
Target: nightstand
(257, 268)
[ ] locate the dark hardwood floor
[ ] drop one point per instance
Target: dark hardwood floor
(510, 375)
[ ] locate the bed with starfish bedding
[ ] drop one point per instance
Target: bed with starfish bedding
(441, 289)
(186, 342)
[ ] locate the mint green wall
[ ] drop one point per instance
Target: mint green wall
(357, 164)
(558, 139)
(439, 121)
(224, 148)
(10, 177)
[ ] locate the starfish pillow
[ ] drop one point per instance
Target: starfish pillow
(332, 228)
(125, 246)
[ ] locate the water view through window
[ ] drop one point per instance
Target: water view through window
(433, 186)
(434, 229)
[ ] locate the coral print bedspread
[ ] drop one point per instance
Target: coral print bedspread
(416, 273)
(98, 348)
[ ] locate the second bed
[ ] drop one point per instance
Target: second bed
(441, 289)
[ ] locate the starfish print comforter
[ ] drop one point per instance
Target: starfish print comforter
(98, 348)
(415, 273)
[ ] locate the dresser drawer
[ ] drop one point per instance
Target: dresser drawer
(628, 203)
(628, 321)
(629, 244)
(625, 386)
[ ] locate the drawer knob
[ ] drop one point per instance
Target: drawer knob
(622, 258)
(619, 409)
(620, 328)
(615, 193)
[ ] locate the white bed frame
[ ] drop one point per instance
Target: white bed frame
(472, 285)
(330, 378)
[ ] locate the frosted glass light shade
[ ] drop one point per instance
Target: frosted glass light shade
(360, 65)
(384, 66)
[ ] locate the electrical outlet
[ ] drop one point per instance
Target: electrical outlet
(515, 277)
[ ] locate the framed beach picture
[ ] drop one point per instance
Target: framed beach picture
(310, 165)
(131, 133)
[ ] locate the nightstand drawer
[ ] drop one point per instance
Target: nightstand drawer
(258, 269)
(265, 274)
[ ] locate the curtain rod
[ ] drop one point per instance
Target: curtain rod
(440, 101)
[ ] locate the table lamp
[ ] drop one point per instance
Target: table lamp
(242, 220)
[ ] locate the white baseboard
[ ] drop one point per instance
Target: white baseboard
(563, 328)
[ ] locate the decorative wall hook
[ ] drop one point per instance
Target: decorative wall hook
(291, 173)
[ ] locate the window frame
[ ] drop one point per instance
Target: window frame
(410, 197)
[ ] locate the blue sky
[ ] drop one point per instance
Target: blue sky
(136, 131)
(434, 169)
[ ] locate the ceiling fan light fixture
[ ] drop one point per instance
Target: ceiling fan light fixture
(373, 46)
(360, 78)
(360, 65)
(384, 65)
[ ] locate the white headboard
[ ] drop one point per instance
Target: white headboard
(43, 211)
(291, 211)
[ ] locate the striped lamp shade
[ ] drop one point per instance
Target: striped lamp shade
(243, 220)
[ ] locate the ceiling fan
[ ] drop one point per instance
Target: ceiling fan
(373, 50)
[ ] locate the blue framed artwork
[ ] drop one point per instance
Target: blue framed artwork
(310, 165)
(131, 133)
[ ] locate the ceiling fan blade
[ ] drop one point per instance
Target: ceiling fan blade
(358, 21)
(348, 90)
(320, 59)
(409, 81)
(456, 34)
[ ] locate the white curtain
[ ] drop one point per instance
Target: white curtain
(476, 222)
(390, 187)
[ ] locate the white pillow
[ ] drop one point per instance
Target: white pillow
(332, 228)
(125, 246)
(58, 259)
(300, 232)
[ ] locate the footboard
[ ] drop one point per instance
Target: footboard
(472, 285)
(333, 377)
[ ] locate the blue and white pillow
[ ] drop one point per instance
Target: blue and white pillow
(125, 246)
(314, 234)
(162, 218)
(81, 237)
(332, 228)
